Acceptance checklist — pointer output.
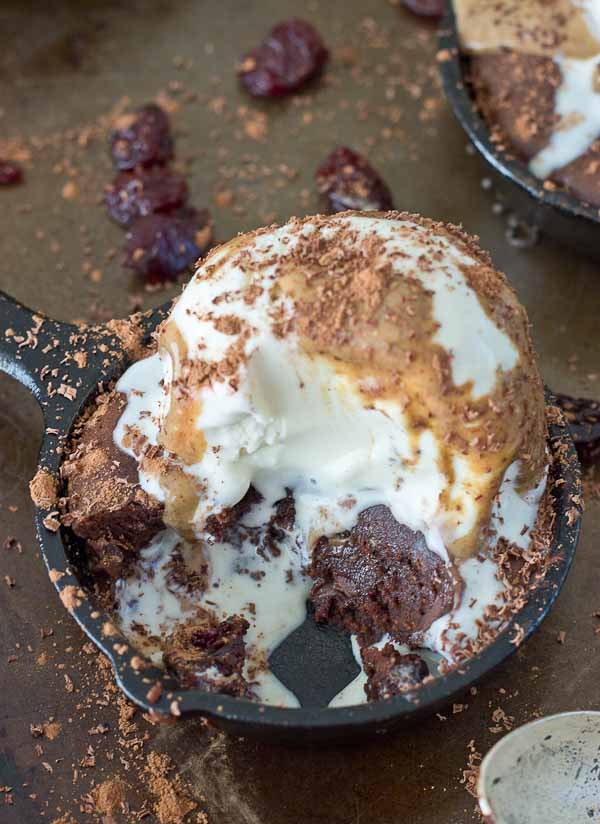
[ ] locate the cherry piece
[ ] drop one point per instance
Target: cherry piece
(350, 182)
(143, 192)
(161, 246)
(427, 8)
(10, 173)
(142, 138)
(292, 54)
(583, 419)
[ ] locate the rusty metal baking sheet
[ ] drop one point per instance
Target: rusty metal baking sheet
(65, 69)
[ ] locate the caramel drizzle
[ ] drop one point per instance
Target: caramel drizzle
(535, 27)
(179, 432)
(377, 329)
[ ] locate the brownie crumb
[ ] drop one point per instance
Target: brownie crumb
(470, 775)
(105, 502)
(71, 597)
(210, 656)
(390, 672)
(43, 489)
(172, 801)
(109, 796)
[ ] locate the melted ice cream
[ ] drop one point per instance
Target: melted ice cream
(577, 106)
(513, 518)
(274, 601)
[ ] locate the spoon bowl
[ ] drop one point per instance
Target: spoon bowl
(546, 772)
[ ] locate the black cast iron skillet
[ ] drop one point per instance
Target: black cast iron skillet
(315, 661)
(557, 213)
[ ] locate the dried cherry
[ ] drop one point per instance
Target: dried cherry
(142, 138)
(583, 417)
(427, 8)
(349, 182)
(10, 173)
(143, 192)
(160, 246)
(292, 54)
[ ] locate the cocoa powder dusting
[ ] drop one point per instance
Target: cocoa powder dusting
(43, 488)
(131, 334)
(109, 796)
(172, 800)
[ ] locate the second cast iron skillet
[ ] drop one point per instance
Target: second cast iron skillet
(315, 661)
(557, 213)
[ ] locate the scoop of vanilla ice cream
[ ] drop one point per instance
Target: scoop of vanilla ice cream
(357, 359)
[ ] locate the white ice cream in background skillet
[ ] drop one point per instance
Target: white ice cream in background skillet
(577, 103)
(293, 421)
(577, 98)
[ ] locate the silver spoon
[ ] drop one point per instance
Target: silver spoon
(545, 772)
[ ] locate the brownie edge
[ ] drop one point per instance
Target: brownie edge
(106, 504)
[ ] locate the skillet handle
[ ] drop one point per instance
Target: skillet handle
(32, 347)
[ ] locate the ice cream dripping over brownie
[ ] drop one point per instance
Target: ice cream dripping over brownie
(356, 360)
(345, 411)
(535, 70)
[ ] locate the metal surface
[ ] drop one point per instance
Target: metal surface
(131, 49)
(557, 213)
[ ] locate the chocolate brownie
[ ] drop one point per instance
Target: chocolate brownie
(210, 656)
(106, 504)
(228, 526)
(379, 577)
(516, 95)
(390, 672)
